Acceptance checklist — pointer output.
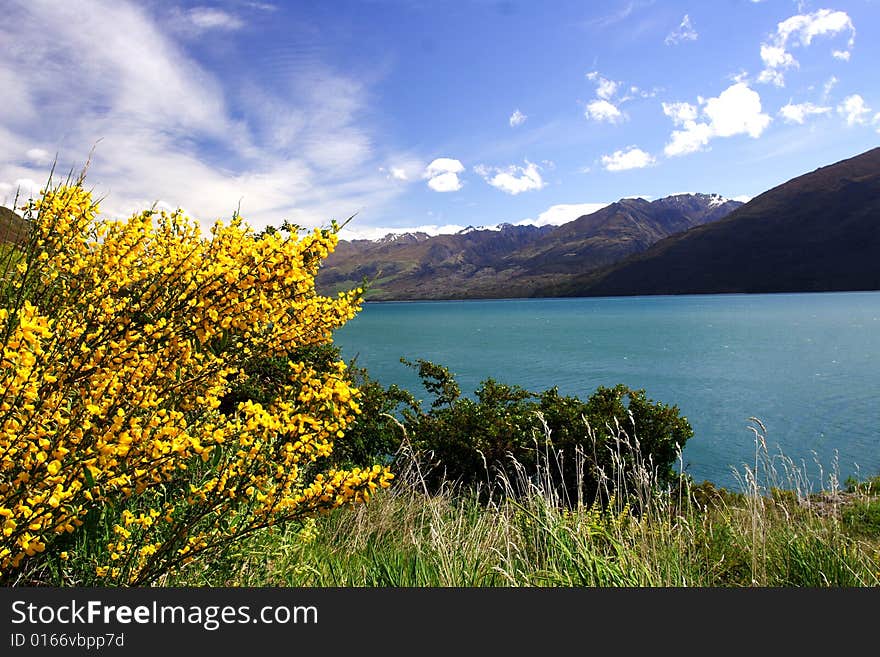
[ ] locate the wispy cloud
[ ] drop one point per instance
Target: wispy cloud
(828, 86)
(517, 118)
(169, 131)
(262, 6)
(684, 32)
(403, 167)
(626, 10)
(211, 18)
(798, 113)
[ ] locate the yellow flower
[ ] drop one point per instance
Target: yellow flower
(115, 384)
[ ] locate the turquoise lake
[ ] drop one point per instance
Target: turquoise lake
(806, 365)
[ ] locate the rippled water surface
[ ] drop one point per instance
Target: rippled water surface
(807, 365)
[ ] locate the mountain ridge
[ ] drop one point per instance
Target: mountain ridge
(512, 260)
(817, 232)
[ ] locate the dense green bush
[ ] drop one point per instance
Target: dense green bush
(587, 449)
(376, 434)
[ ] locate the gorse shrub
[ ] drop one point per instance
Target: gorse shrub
(129, 442)
(373, 437)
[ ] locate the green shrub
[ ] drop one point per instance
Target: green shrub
(586, 449)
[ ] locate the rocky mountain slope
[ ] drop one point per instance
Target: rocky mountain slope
(512, 261)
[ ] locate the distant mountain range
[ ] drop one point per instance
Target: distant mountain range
(513, 261)
(819, 232)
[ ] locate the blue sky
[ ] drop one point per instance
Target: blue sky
(431, 114)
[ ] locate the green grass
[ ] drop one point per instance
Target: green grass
(691, 536)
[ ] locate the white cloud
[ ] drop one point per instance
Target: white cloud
(801, 30)
(631, 158)
(605, 88)
(680, 113)
(777, 57)
(685, 32)
(445, 182)
(517, 118)
(513, 179)
(442, 174)
(741, 76)
(21, 190)
(854, 110)
(636, 92)
(806, 27)
(742, 198)
(842, 55)
(443, 165)
(562, 213)
(829, 85)
(555, 215)
(605, 107)
(602, 110)
(354, 232)
(111, 75)
(403, 167)
(792, 113)
(772, 76)
(39, 157)
(211, 18)
(736, 110)
(776, 60)
(690, 140)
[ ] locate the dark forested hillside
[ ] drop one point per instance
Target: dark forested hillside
(817, 232)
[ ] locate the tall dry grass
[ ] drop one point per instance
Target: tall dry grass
(774, 531)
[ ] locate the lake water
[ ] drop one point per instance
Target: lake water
(807, 365)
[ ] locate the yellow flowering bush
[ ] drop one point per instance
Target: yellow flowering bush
(119, 340)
